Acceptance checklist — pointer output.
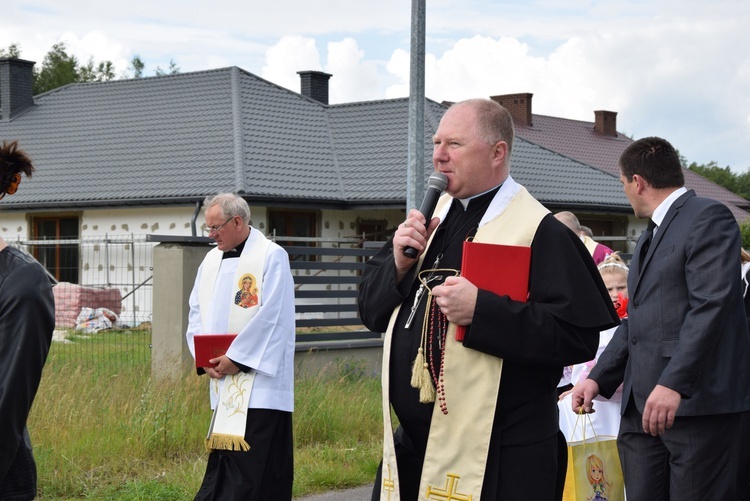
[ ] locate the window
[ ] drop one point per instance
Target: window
(61, 260)
(293, 224)
(374, 230)
(603, 227)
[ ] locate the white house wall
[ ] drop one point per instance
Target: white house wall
(114, 252)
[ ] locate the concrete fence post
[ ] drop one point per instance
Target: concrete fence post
(175, 266)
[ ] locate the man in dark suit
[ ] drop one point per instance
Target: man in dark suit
(683, 351)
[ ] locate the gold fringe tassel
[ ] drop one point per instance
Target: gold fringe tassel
(421, 379)
(420, 370)
(427, 390)
(417, 369)
(226, 442)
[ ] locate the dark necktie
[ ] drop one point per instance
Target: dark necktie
(646, 244)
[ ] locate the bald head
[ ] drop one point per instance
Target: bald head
(570, 220)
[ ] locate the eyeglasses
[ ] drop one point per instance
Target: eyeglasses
(211, 229)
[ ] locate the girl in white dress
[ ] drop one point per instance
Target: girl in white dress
(606, 418)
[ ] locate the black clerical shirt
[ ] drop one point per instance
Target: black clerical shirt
(447, 245)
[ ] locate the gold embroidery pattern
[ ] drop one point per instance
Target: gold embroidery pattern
(235, 395)
(448, 493)
(388, 483)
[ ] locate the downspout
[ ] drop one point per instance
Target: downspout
(194, 218)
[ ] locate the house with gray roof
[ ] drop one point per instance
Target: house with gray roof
(137, 156)
(167, 142)
(599, 144)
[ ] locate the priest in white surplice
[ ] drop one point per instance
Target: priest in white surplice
(244, 286)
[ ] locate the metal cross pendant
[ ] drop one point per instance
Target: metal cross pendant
(420, 293)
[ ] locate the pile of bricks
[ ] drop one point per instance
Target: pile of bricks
(71, 298)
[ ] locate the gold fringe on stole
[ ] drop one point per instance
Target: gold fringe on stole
(226, 442)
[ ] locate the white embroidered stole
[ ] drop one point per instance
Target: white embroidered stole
(232, 393)
(458, 442)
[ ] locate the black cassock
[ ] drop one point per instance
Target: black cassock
(559, 325)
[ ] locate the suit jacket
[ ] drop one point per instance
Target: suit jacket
(686, 327)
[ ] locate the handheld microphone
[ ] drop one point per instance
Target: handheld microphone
(436, 184)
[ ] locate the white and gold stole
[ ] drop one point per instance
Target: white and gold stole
(232, 393)
(458, 443)
(590, 244)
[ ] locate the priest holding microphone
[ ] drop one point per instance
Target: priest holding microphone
(478, 417)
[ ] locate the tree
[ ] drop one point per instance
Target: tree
(104, 71)
(58, 69)
(13, 51)
(745, 232)
(173, 69)
(137, 65)
(724, 177)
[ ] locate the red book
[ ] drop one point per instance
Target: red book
(502, 269)
(208, 346)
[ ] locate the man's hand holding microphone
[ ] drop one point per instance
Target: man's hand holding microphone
(411, 236)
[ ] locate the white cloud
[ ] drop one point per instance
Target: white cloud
(354, 78)
(676, 68)
(673, 77)
(98, 46)
(288, 56)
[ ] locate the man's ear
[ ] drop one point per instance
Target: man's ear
(500, 152)
(640, 183)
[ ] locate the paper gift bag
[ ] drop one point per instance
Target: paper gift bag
(594, 472)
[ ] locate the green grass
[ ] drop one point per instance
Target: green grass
(121, 349)
(100, 433)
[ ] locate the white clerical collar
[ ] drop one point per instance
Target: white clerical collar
(658, 216)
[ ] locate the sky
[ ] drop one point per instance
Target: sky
(679, 69)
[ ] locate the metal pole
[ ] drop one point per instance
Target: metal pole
(415, 175)
(132, 259)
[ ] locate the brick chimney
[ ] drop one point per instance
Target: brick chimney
(519, 106)
(314, 84)
(605, 122)
(16, 87)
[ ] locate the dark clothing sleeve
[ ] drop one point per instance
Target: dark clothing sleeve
(379, 294)
(567, 307)
(559, 325)
(614, 362)
(27, 320)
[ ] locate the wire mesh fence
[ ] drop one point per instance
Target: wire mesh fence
(104, 295)
(103, 298)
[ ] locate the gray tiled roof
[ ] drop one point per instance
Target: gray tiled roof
(561, 182)
(577, 139)
(178, 138)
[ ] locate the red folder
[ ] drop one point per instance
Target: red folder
(502, 269)
(208, 346)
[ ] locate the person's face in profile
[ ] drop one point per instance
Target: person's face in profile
(462, 155)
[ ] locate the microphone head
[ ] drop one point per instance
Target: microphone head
(437, 181)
